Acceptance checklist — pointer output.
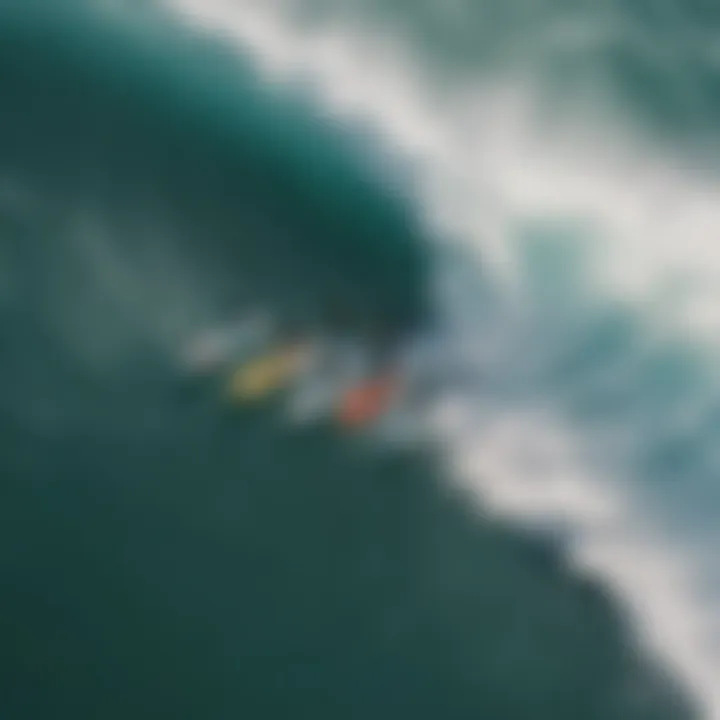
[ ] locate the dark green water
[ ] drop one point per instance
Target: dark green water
(164, 556)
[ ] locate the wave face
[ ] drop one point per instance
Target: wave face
(531, 179)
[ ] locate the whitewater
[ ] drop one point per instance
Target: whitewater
(584, 232)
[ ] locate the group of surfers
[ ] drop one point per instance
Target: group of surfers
(261, 360)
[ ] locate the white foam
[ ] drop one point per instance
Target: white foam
(481, 164)
(524, 463)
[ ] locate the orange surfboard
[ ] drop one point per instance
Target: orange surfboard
(363, 404)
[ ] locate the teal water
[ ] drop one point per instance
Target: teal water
(165, 555)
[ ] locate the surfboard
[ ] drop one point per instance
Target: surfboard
(366, 402)
(268, 373)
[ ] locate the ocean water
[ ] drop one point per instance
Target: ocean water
(538, 183)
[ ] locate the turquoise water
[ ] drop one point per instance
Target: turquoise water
(167, 555)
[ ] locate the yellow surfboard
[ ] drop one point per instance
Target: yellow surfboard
(266, 374)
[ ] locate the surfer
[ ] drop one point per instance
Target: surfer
(393, 371)
(369, 400)
(293, 352)
(373, 396)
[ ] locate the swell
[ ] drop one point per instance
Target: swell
(225, 570)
